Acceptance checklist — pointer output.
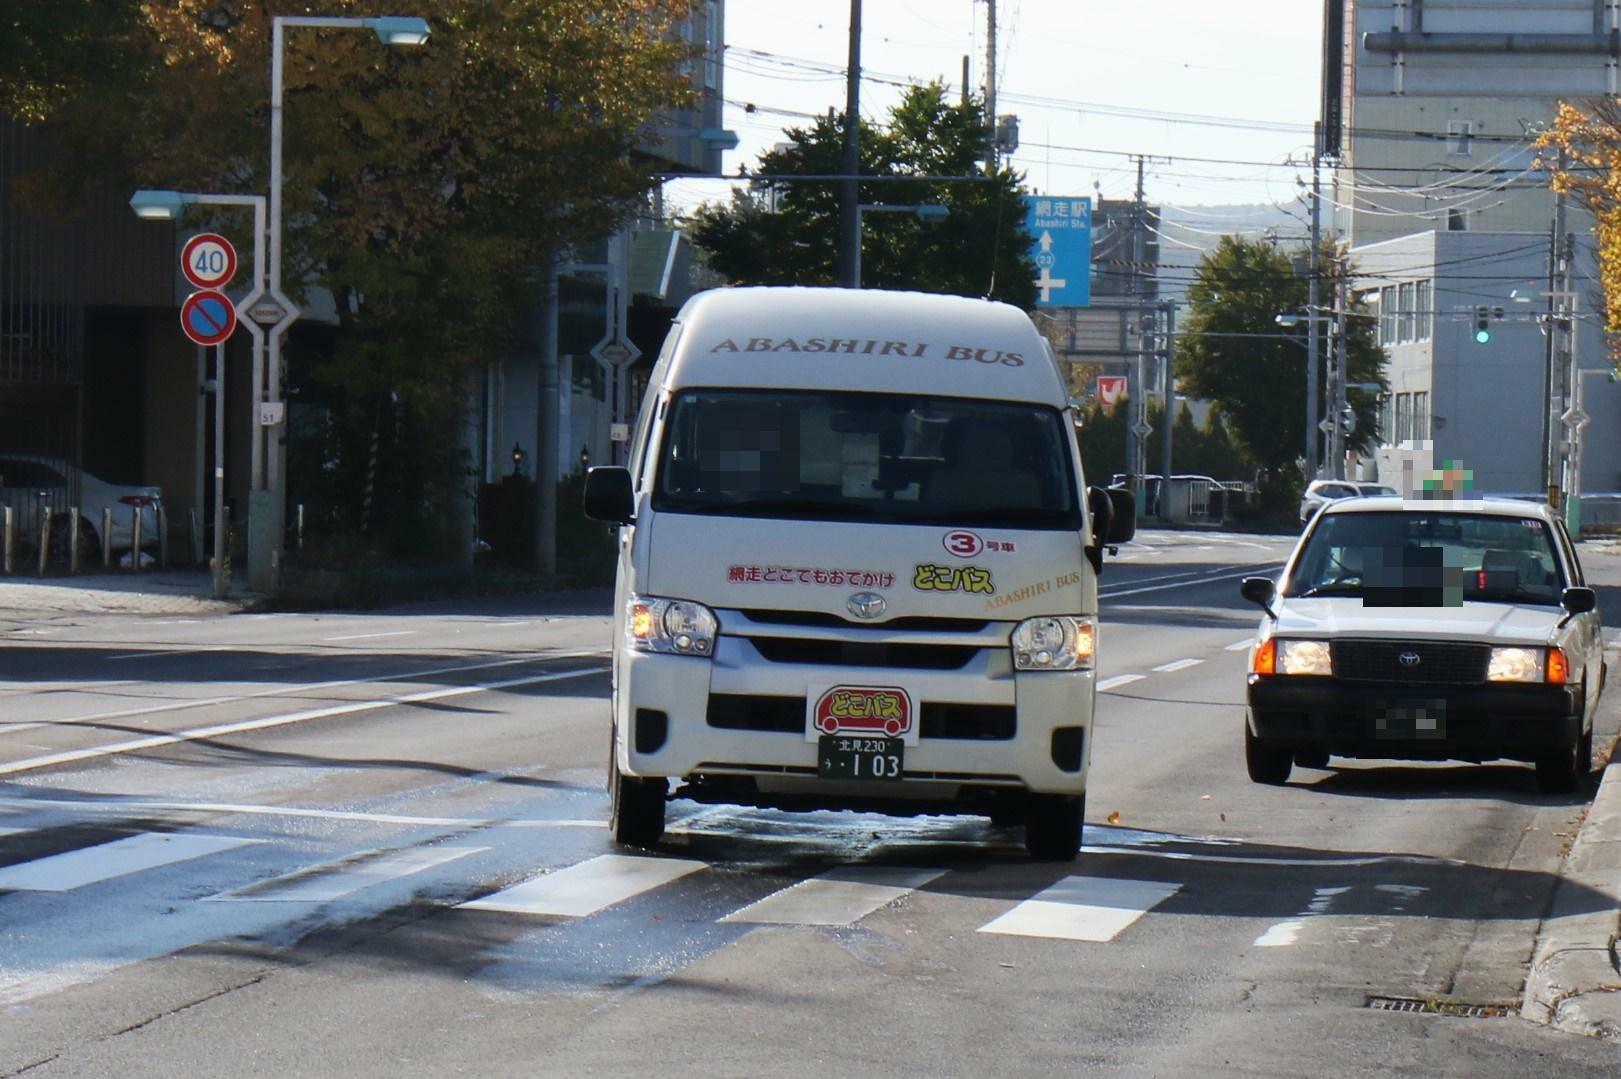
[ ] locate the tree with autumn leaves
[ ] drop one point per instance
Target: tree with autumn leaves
(424, 187)
(1589, 169)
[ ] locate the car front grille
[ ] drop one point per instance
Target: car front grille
(1437, 663)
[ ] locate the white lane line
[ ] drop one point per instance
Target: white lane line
(1283, 934)
(1083, 908)
(840, 897)
(299, 689)
(265, 722)
(121, 857)
(370, 636)
(588, 887)
(334, 880)
(1241, 646)
(171, 652)
(1236, 859)
(1258, 571)
(123, 807)
(1178, 665)
(1119, 680)
(13, 831)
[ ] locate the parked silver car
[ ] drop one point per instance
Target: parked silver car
(1320, 493)
(33, 483)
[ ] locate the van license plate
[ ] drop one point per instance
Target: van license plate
(847, 756)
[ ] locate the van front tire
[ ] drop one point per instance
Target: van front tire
(636, 808)
(1052, 826)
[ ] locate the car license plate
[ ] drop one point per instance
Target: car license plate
(848, 756)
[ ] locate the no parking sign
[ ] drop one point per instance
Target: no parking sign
(208, 317)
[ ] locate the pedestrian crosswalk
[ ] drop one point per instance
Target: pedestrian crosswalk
(256, 882)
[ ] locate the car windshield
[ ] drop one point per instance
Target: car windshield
(1429, 559)
(1374, 489)
(866, 457)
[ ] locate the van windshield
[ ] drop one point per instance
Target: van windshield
(866, 457)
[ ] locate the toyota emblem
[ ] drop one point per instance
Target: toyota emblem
(1408, 659)
(865, 605)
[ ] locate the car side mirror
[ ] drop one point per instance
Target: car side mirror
(1576, 600)
(609, 495)
(1260, 591)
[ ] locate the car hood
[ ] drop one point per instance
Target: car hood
(1346, 616)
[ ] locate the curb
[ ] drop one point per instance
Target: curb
(1574, 983)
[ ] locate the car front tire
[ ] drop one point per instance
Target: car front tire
(1266, 762)
(1563, 772)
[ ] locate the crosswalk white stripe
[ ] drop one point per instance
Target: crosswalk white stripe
(1119, 680)
(74, 869)
(841, 897)
(1178, 665)
(588, 887)
(334, 880)
(1083, 908)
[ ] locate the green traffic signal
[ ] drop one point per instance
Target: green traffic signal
(1482, 335)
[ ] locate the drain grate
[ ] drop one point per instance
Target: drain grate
(1433, 1006)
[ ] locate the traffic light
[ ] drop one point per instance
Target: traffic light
(1483, 325)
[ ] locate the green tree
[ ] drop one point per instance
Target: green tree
(1234, 354)
(787, 232)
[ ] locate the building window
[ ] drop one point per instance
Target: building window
(1387, 315)
(1424, 301)
(1421, 415)
(1404, 417)
(1460, 140)
(1387, 419)
(1404, 308)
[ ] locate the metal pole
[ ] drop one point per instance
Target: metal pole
(135, 537)
(7, 539)
(1577, 420)
(1550, 411)
(849, 192)
(106, 536)
(1342, 359)
(221, 583)
(1312, 300)
(855, 278)
(1168, 343)
(546, 436)
(990, 86)
(44, 531)
(73, 539)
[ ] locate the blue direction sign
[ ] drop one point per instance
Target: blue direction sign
(1061, 228)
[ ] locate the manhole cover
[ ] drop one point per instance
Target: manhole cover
(1457, 1008)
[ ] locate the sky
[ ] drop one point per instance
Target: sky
(1218, 95)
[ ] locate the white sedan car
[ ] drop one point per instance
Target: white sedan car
(1320, 493)
(1426, 630)
(30, 483)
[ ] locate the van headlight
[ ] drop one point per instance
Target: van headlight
(1054, 643)
(675, 626)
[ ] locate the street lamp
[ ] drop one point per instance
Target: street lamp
(264, 505)
(927, 212)
(169, 206)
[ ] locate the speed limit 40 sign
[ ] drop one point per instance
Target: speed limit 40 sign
(208, 260)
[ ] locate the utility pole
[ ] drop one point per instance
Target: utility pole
(1167, 421)
(1554, 331)
(1137, 390)
(1342, 359)
(990, 88)
(849, 192)
(1313, 299)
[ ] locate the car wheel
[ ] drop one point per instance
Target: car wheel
(1562, 772)
(1052, 826)
(1266, 762)
(1311, 758)
(636, 808)
(61, 549)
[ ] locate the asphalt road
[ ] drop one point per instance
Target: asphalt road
(374, 845)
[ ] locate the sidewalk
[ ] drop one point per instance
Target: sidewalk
(157, 592)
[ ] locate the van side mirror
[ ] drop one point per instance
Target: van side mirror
(1260, 591)
(609, 495)
(1123, 521)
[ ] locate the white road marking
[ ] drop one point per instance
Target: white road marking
(1241, 646)
(1119, 680)
(334, 880)
(370, 636)
(588, 887)
(1283, 934)
(1236, 859)
(171, 652)
(296, 689)
(1083, 908)
(197, 733)
(840, 897)
(1258, 571)
(1178, 665)
(74, 869)
(122, 807)
(13, 831)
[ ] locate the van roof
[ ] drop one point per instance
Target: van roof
(862, 339)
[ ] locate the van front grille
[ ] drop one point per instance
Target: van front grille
(924, 657)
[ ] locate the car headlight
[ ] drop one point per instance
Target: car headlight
(1054, 643)
(1304, 657)
(1527, 664)
(674, 626)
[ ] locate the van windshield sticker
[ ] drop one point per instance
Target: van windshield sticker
(837, 578)
(871, 346)
(932, 578)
